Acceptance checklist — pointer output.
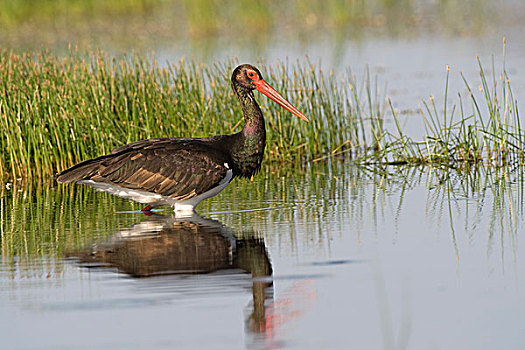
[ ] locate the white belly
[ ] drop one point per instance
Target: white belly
(155, 199)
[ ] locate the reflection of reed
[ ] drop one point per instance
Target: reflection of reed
(163, 245)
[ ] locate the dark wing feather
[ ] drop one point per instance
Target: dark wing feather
(155, 142)
(178, 168)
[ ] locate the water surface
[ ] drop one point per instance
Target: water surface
(332, 256)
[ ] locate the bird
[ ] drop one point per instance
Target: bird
(181, 172)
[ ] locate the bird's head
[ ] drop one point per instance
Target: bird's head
(250, 78)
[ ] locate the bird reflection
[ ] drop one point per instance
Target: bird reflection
(167, 245)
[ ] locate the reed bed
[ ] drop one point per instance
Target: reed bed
(56, 111)
(483, 128)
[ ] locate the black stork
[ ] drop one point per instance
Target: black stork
(182, 172)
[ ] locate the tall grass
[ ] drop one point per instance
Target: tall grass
(487, 132)
(56, 111)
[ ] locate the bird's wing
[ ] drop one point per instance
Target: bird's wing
(146, 143)
(180, 170)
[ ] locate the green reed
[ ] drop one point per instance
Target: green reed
(488, 133)
(56, 111)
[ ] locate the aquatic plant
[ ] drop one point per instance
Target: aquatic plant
(490, 133)
(56, 111)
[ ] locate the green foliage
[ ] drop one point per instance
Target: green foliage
(56, 111)
(490, 134)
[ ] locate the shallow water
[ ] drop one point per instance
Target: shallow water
(328, 257)
(331, 256)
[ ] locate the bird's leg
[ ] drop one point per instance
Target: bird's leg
(147, 208)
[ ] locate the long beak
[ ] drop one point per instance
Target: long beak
(265, 88)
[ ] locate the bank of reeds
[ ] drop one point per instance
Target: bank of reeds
(56, 111)
(482, 128)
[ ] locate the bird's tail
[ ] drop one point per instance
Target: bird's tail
(81, 171)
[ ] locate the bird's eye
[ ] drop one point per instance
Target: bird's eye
(252, 75)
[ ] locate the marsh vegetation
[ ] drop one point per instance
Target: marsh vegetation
(58, 110)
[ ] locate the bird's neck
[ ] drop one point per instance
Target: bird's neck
(253, 118)
(249, 150)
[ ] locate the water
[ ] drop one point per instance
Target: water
(331, 256)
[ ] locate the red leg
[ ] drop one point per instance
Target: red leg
(147, 208)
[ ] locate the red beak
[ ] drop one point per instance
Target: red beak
(265, 88)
